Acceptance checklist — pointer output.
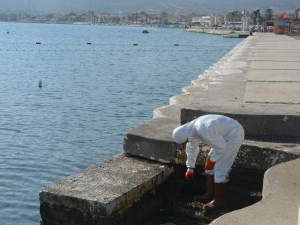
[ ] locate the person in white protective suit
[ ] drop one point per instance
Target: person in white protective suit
(225, 136)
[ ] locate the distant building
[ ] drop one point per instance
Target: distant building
(296, 22)
(297, 14)
(233, 16)
(245, 20)
(233, 20)
(202, 20)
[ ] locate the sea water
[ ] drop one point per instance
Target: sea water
(96, 82)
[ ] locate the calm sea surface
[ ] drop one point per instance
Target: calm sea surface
(91, 95)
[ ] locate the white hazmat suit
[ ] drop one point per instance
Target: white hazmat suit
(223, 134)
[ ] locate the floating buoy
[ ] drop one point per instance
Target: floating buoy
(40, 84)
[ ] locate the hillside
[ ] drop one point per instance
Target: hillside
(154, 6)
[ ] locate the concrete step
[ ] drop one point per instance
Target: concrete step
(153, 141)
(256, 123)
(108, 193)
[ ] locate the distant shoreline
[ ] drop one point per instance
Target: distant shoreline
(208, 30)
(99, 24)
(225, 31)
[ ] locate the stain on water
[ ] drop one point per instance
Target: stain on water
(96, 85)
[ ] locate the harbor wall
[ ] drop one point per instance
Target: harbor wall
(117, 190)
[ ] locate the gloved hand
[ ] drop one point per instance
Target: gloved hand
(209, 165)
(189, 174)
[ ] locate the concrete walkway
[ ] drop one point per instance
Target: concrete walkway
(272, 83)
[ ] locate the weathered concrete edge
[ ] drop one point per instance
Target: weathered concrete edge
(255, 124)
(145, 176)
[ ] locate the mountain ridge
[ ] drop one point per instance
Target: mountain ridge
(155, 6)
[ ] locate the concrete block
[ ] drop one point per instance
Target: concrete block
(153, 140)
(272, 92)
(279, 65)
(106, 193)
(255, 124)
(257, 155)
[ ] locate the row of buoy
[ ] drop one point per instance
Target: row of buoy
(90, 50)
(135, 44)
(89, 43)
(39, 43)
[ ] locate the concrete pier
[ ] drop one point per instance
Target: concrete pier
(256, 83)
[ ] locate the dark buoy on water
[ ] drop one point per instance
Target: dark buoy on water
(40, 84)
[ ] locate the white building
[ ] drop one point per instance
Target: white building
(202, 20)
(245, 21)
